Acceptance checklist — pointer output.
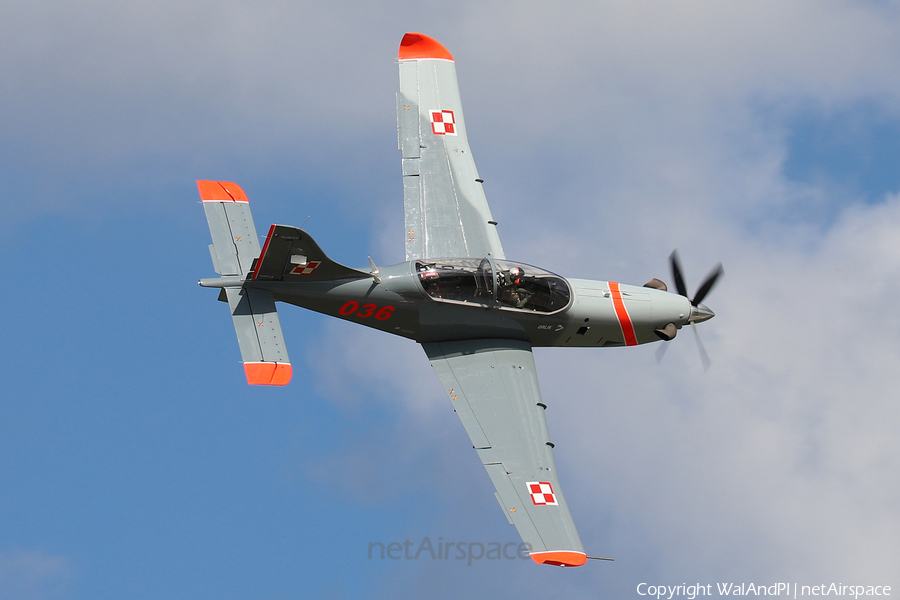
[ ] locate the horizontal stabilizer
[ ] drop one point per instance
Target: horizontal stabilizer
(235, 246)
(259, 335)
(290, 254)
(235, 242)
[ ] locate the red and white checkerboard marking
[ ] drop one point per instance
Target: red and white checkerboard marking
(542, 493)
(307, 269)
(443, 122)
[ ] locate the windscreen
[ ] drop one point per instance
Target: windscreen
(458, 280)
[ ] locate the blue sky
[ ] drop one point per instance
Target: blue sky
(135, 461)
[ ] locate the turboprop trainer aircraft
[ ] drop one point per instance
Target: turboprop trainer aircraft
(476, 314)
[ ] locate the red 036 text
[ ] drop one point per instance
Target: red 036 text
(367, 310)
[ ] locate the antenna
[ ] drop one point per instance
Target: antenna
(375, 272)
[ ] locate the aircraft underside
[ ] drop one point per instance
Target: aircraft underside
(477, 317)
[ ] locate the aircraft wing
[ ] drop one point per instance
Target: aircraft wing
(447, 214)
(494, 388)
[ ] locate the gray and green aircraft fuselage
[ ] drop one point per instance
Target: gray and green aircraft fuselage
(459, 299)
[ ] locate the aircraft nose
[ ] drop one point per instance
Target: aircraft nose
(700, 313)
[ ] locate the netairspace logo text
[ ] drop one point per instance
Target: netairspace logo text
(788, 590)
(467, 551)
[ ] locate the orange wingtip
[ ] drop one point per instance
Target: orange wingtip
(560, 559)
(221, 191)
(417, 45)
(267, 373)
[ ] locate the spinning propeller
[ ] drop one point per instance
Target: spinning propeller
(699, 311)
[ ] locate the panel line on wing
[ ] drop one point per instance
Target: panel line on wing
(446, 210)
(493, 385)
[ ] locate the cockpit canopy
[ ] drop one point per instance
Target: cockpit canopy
(486, 282)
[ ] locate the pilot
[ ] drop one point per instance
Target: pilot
(511, 291)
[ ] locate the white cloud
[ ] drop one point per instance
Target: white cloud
(659, 125)
(608, 134)
(780, 463)
(33, 575)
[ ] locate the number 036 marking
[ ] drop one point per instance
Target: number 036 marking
(367, 310)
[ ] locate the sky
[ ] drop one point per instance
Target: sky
(136, 462)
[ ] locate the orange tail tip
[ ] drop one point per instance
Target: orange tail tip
(417, 45)
(560, 559)
(267, 373)
(221, 191)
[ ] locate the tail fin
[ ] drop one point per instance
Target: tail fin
(235, 246)
(291, 255)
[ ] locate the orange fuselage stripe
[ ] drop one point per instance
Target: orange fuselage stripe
(622, 314)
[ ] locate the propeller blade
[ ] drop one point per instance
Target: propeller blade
(704, 357)
(676, 274)
(661, 352)
(707, 285)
